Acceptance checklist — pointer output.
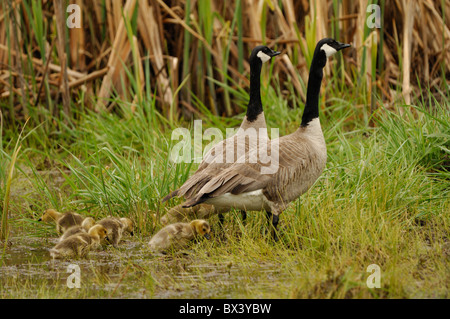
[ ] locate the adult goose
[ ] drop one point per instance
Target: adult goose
(226, 152)
(302, 156)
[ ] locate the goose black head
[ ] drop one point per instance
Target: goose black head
(326, 48)
(263, 54)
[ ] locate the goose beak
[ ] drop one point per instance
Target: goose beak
(343, 46)
(275, 53)
(207, 236)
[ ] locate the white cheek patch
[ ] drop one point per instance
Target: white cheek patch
(264, 57)
(329, 51)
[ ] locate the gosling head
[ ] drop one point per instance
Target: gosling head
(87, 223)
(128, 223)
(50, 215)
(326, 48)
(99, 231)
(201, 228)
(263, 54)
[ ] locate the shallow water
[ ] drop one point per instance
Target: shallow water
(131, 271)
(127, 272)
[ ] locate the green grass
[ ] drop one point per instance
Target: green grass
(383, 199)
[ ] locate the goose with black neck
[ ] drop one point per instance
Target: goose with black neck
(216, 159)
(302, 157)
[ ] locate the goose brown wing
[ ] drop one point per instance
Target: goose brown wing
(247, 177)
(212, 165)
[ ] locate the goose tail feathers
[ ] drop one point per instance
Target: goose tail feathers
(171, 195)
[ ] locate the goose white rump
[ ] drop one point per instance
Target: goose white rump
(246, 201)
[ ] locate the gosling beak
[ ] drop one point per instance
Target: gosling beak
(131, 233)
(207, 236)
(342, 46)
(40, 219)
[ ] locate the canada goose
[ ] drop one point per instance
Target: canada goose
(116, 227)
(63, 221)
(302, 156)
(79, 245)
(178, 235)
(87, 223)
(218, 157)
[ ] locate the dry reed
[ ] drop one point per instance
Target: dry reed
(411, 47)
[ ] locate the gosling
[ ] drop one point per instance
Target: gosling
(178, 235)
(79, 245)
(87, 223)
(63, 221)
(116, 227)
(179, 214)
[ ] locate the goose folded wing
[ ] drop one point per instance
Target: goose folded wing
(246, 177)
(239, 178)
(211, 165)
(216, 165)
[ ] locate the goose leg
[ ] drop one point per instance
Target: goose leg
(221, 220)
(244, 215)
(221, 234)
(273, 220)
(222, 217)
(269, 216)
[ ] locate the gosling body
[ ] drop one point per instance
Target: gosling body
(87, 223)
(179, 235)
(116, 228)
(63, 220)
(178, 214)
(79, 245)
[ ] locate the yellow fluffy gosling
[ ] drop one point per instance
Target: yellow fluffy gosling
(116, 227)
(79, 245)
(63, 221)
(87, 223)
(178, 235)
